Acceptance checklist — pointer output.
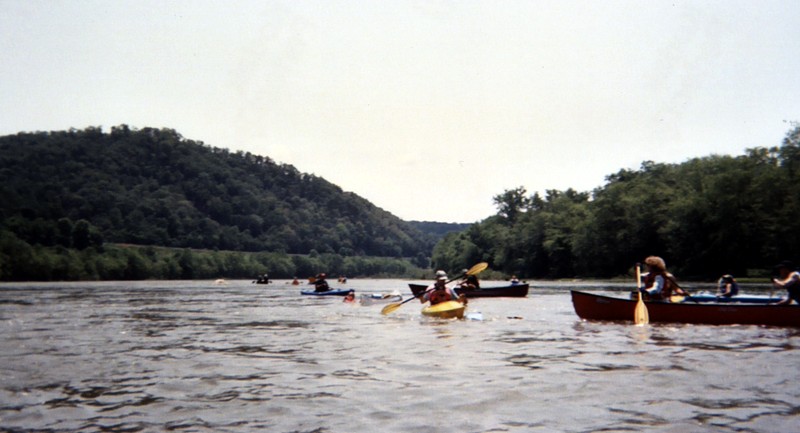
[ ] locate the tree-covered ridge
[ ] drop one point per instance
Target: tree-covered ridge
(706, 216)
(153, 187)
(438, 229)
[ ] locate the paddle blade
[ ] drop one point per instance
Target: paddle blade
(677, 299)
(390, 308)
(478, 268)
(640, 315)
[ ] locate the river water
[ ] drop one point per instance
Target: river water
(194, 356)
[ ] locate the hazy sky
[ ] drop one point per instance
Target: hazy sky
(426, 108)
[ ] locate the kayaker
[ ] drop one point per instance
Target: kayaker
(350, 296)
(727, 287)
(438, 292)
(320, 285)
(514, 279)
(789, 279)
(295, 282)
(470, 283)
(658, 283)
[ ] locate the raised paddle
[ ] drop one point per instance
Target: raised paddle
(475, 270)
(640, 315)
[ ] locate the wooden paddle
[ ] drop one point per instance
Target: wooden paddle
(679, 298)
(640, 315)
(475, 270)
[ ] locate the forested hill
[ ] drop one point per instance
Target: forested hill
(438, 229)
(707, 216)
(154, 187)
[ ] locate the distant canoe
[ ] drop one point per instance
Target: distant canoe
(511, 291)
(379, 299)
(590, 306)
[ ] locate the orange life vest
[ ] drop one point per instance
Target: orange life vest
(439, 295)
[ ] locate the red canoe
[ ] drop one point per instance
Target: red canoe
(510, 291)
(590, 306)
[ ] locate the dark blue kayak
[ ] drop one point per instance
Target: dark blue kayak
(341, 292)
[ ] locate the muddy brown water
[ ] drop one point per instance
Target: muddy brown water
(194, 356)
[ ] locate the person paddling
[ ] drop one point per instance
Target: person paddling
(350, 297)
(438, 292)
(658, 283)
(320, 285)
(789, 279)
(727, 287)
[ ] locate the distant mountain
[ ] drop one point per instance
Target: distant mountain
(438, 230)
(154, 187)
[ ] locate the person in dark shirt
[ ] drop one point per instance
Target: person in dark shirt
(470, 283)
(789, 279)
(320, 285)
(728, 287)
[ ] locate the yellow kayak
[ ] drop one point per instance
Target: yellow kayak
(445, 310)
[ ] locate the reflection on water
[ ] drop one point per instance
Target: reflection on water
(194, 356)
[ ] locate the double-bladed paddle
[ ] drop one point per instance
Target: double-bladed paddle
(475, 270)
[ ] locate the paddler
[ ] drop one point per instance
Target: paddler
(438, 292)
(350, 297)
(789, 279)
(727, 287)
(320, 285)
(470, 282)
(658, 283)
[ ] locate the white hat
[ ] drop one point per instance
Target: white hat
(441, 275)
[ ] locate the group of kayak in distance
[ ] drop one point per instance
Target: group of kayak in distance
(657, 285)
(444, 302)
(264, 279)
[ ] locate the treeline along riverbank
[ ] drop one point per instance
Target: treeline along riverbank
(707, 216)
(132, 262)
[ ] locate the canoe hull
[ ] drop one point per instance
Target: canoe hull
(445, 310)
(328, 293)
(511, 291)
(590, 306)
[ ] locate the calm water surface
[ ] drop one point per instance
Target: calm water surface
(198, 357)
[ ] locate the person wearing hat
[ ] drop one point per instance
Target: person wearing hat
(438, 292)
(727, 287)
(658, 283)
(470, 283)
(789, 279)
(320, 285)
